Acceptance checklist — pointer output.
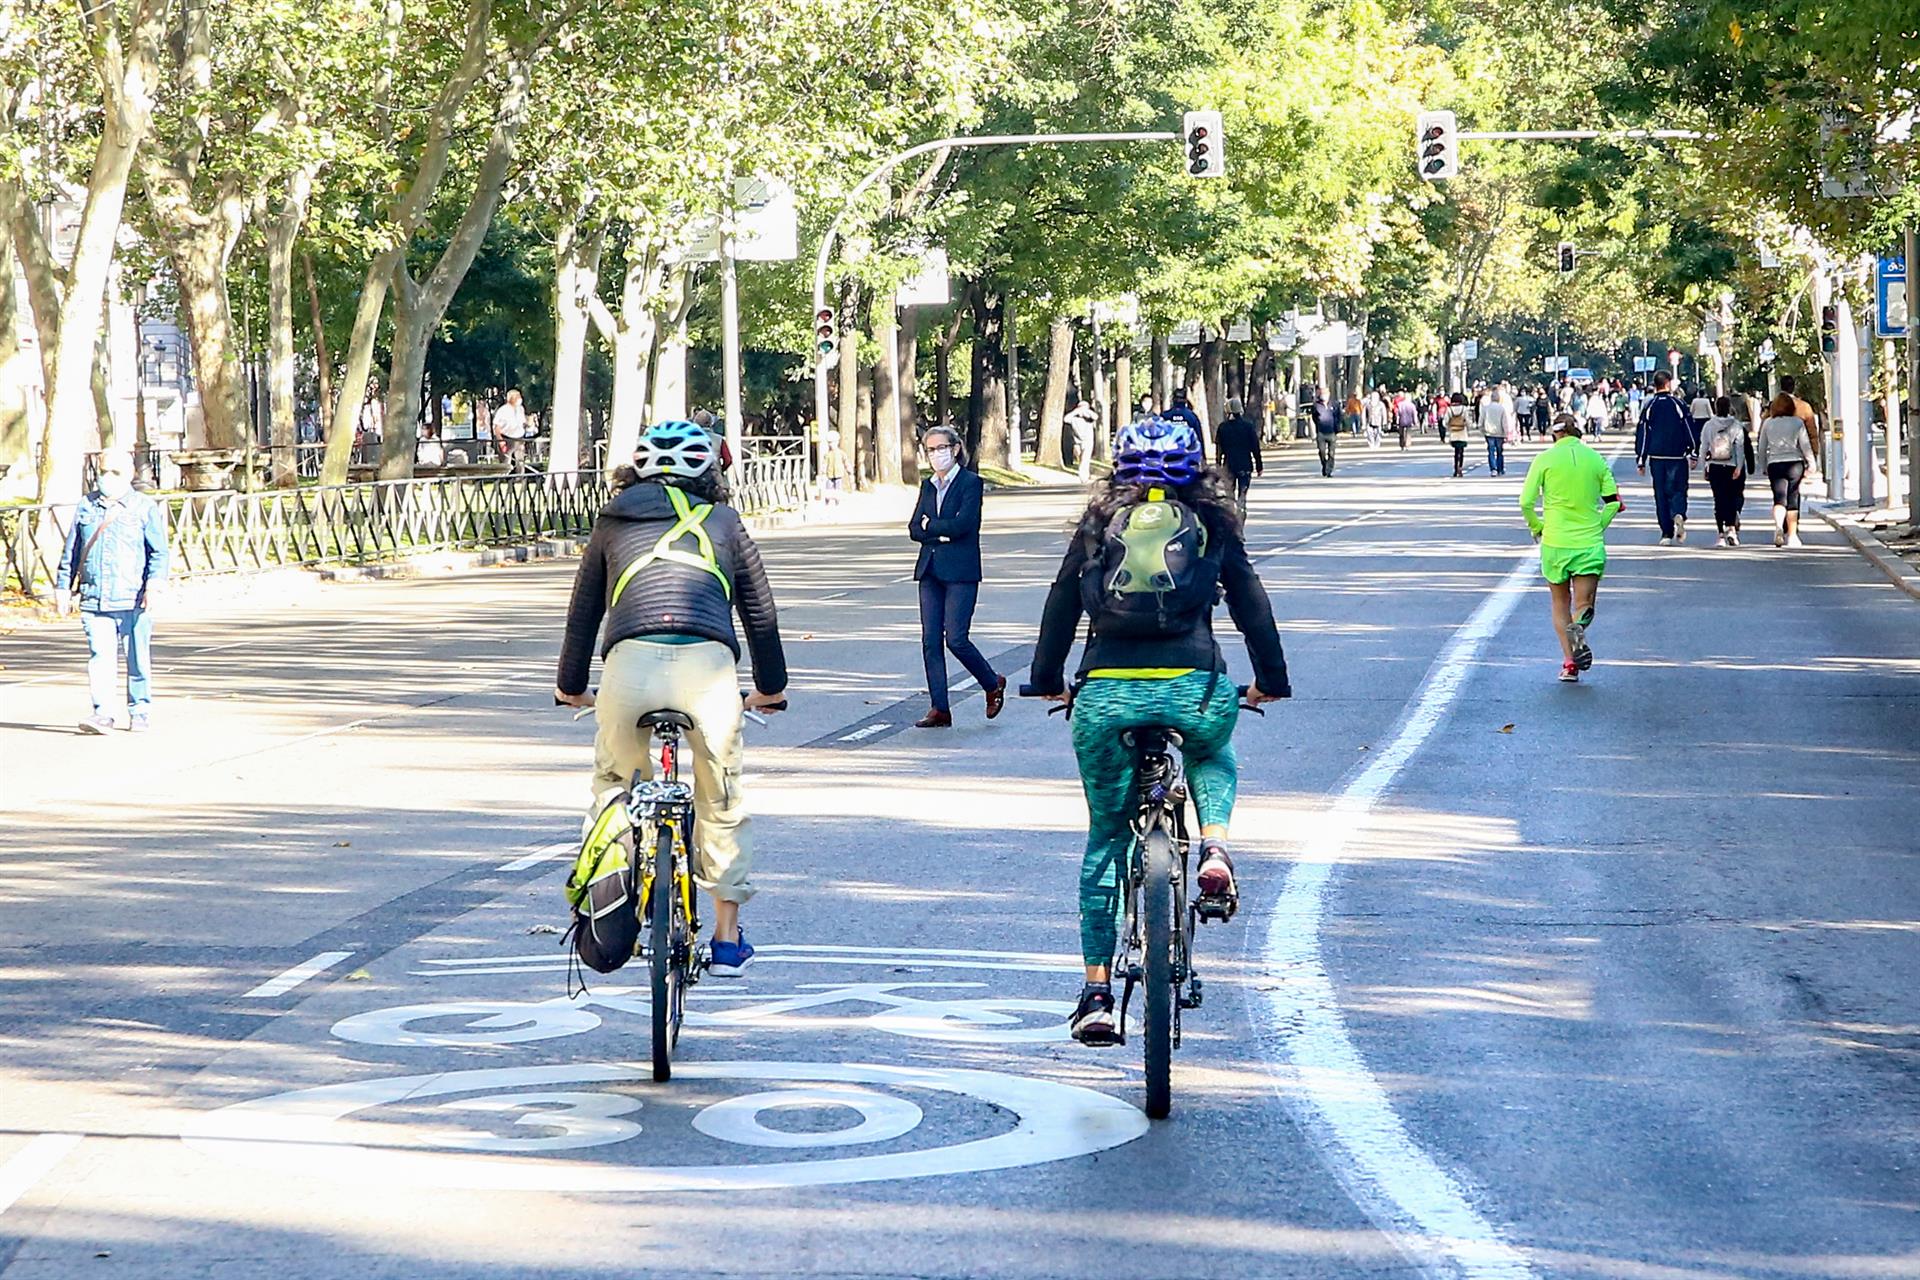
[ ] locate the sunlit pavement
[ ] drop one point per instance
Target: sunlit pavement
(1618, 976)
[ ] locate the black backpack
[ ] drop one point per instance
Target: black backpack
(1152, 575)
(604, 891)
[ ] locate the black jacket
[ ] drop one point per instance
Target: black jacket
(666, 597)
(1666, 430)
(1247, 604)
(1326, 420)
(1238, 444)
(949, 539)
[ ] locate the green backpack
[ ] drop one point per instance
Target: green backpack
(604, 890)
(1152, 575)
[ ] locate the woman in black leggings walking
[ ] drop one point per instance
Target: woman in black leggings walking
(1785, 453)
(1728, 449)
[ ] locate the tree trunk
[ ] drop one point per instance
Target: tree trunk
(576, 278)
(322, 362)
(632, 334)
(415, 323)
(889, 408)
(1258, 380)
(864, 468)
(1053, 400)
(128, 72)
(283, 432)
(669, 399)
(1213, 406)
(987, 404)
(1162, 370)
(15, 430)
(909, 396)
(1123, 388)
(846, 410)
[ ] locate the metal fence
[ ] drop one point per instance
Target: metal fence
(234, 532)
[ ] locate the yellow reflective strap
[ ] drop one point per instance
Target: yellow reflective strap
(691, 520)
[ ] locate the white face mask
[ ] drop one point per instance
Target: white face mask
(941, 458)
(115, 487)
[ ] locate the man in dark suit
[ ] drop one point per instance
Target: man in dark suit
(946, 524)
(1237, 445)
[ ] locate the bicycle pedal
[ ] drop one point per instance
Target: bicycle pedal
(1193, 996)
(1216, 910)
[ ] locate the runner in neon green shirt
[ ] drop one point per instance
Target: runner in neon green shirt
(1581, 499)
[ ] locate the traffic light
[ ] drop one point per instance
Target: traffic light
(1566, 258)
(1206, 142)
(1830, 329)
(1437, 145)
(826, 335)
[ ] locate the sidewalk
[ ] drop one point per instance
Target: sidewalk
(1884, 536)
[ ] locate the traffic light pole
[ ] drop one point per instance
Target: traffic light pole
(1569, 135)
(822, 397)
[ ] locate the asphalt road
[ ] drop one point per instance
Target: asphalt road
(1607, 980)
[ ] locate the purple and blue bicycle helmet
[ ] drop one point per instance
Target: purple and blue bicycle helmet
(1159, 451)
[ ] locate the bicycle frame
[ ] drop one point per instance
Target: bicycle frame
(1161, 799)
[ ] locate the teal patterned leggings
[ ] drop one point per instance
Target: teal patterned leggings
(1103, 708)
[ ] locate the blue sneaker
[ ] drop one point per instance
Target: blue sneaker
(730, 959)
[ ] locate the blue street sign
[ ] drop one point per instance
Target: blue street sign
(1890, 297)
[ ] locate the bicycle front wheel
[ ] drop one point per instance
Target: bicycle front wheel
(1156, 904)
(665, 972)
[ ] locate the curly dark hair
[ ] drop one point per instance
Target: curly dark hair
(1210, 495)
(709, 486)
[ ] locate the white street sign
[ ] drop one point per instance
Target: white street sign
(1241, 330)
(1354, 339)
(1470, 348)
(1328, 339)
(1185, 334)
(930, 287)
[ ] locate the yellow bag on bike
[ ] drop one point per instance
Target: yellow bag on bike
(604, 890)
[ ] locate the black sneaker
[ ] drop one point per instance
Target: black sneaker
(1093, 1022)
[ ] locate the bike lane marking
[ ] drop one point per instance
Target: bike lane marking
(1319, 1071)
(285, 982)
(31, 1163)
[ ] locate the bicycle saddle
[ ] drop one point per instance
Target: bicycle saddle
(1152, 737)
(678, 719)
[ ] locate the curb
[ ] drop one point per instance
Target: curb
(1898, 571)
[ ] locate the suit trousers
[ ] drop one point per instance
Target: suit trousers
(946, 616)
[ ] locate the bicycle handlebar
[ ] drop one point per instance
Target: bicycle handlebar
(1028, 691)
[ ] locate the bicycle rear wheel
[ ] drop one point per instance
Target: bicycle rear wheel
(663, 902)
(1156, 904)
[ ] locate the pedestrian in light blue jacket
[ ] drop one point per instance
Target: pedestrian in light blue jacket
(116, 563)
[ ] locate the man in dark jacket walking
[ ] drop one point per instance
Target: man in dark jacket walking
(1667, 442)
(1326, 430)
(946, 524)
(1237, 445)
(668, 565)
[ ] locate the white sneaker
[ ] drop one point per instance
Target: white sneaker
(1666, 542)
(1793, 540)
(1679, 530)
(1779, 538)
(1733, 537)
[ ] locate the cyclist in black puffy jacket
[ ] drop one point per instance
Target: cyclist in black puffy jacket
(668, 566)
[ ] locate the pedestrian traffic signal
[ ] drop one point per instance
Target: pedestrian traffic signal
(1437, 145)
(826, 335)
(1566, 258)
(1206, 142)
(1830, 329)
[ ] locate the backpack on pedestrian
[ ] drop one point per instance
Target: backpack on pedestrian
(1151, 575)
(604, 890)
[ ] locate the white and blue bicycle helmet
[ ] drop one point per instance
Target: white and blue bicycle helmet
(674, 448)
(1156, 450)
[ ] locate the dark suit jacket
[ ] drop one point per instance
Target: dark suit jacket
(950, 539)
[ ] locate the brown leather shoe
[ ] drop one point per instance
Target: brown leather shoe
(996, 698)
(935, 720)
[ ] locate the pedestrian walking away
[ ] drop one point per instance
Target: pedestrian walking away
(115, 567)
(1406, 414)
(1727, 447)
(1784, 454)
(1237, 445)
(1495, 421)
(1081, 421)
(668, 565)
(510, 431)
(1145, 668)
(1666, 444)
(1458, 427)
(946, 524)
(1326, 430)
(1575, 488)
(1376, 416)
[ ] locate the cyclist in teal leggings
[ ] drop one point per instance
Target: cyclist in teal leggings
(1159, 544)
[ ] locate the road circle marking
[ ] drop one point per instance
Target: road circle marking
(314, 1132)
(882, 1118)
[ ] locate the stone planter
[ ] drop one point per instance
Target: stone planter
(206, 470)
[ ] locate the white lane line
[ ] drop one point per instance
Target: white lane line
(31, 1163)
(861, 735)
(1318, 534)
(1318, 1071)
(295, 976)
(538, 856)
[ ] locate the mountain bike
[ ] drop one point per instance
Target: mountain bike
(1155, 945)
(665, 851)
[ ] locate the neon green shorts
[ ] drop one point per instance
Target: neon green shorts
(1561, 563)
